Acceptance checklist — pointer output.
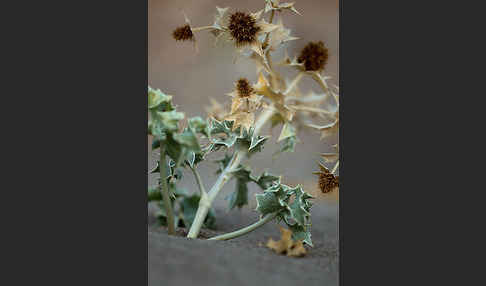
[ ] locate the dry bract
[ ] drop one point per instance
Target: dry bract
(245, 102)
(286, 245)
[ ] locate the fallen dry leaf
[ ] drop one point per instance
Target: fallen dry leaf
(286, 245)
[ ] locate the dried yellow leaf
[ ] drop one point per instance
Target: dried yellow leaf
(286, 245)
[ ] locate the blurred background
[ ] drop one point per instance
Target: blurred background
(193, 78)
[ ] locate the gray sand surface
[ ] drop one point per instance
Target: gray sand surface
(175, 260)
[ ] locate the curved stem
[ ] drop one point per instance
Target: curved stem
(164, 189)
(202, 190)
(245, 230)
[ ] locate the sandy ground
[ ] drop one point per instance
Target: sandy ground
(244, 260)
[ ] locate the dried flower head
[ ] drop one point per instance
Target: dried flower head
(183, 33)
(314, 56)
(244, 88)
(244, 104)
(243, 28)
(327, 181)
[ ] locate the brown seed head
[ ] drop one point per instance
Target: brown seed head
(327, 181)
(243, 28)
(314, 56)
(183, 33)
(244, 88)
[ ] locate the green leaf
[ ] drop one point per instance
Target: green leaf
(239, 197)
(154, 194)
(287, 145)
(156, 143)
(157, 97)
(228, 142)
(199, 125)
(298, 211)
(242, 173)
(276, 199)
(174, 149)
(300, 232)
(218, 127)
(168, 119)
(266, 180)
(256, 144)
(189, 208)
(188, 139)
(269, 202)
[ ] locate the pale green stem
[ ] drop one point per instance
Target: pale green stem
(164, 189)
(245, 230)
(200, 185)
(207, 199)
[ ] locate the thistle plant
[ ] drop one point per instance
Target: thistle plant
(236, 131)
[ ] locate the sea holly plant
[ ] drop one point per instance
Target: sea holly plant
(235, 133)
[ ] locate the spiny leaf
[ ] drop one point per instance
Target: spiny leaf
(199, 125)
(266, 180)
(298, 210)
(168, 119)
(256, 144)
(300, 232)
(287, 145)
(156, 97)
(267, 203)
(188, 139)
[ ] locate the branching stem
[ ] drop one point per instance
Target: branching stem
(207, 199)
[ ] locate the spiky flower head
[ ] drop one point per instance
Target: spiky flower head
(314, 56)
(243, 28)
(244, 104)
(327, 181)
(183, 33)
(244, 88)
